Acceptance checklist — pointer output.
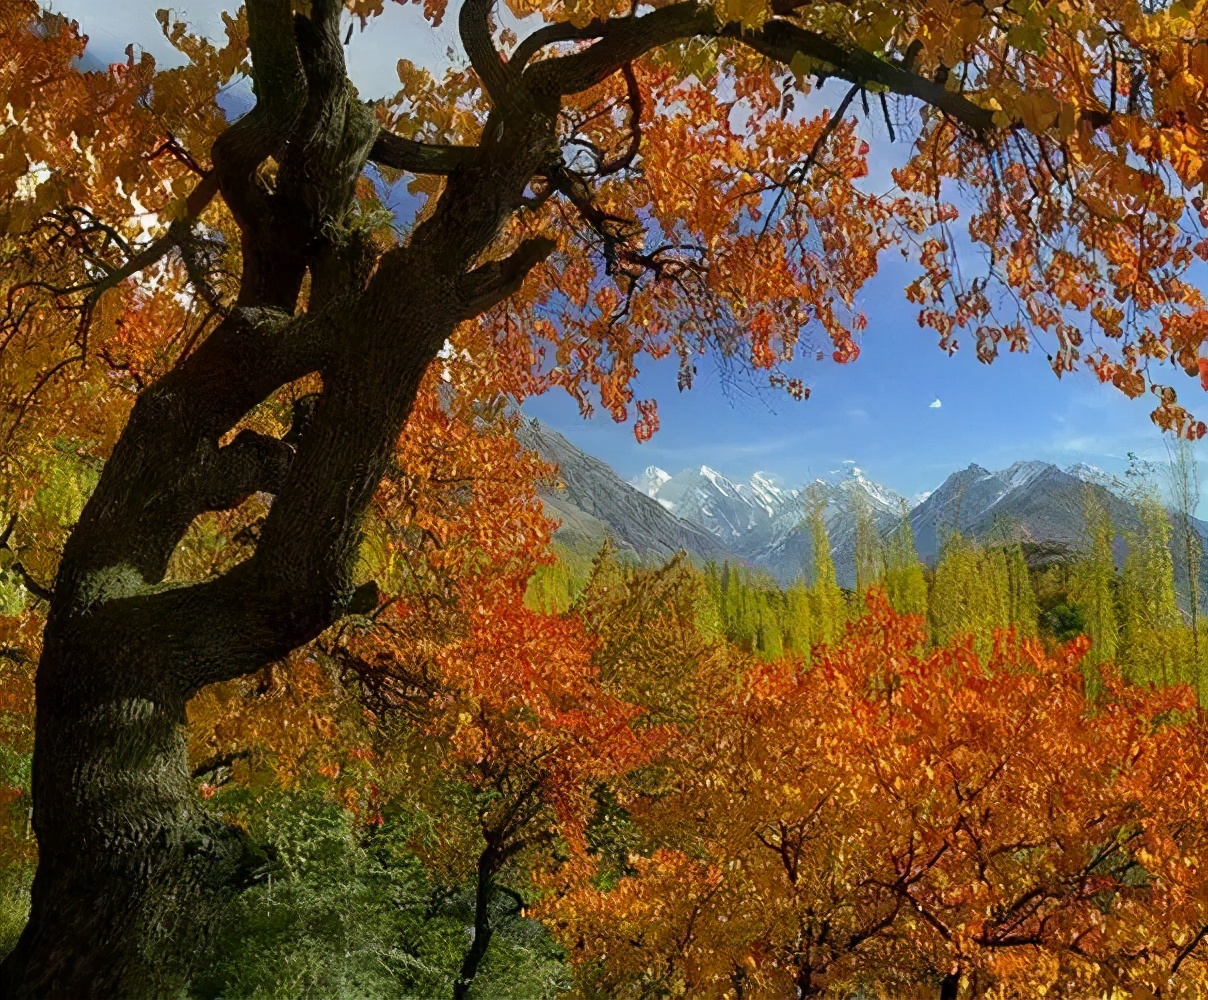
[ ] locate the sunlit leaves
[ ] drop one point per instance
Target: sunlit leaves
(891, 816)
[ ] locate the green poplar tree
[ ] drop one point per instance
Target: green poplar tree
(827, 606)
(870, 553)
(1093, 587)
(1023, 612)
(798, 627)
(1152, 625)
(905, 580)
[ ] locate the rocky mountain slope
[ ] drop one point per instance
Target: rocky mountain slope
(594, 502)
(1030, 501)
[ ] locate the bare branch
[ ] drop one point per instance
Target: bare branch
(634, 98)
(493, 282)
(218, 761)
(551, 34)
(30, 584)
(394, 151)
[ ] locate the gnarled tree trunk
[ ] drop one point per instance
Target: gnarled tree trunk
(132, 871)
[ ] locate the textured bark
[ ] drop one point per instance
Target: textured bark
(131, 866)
(484, 890)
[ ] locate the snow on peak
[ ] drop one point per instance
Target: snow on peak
(718, 481)
(650, 481)
(850, 477)
(1097, 477)
(1022, 473)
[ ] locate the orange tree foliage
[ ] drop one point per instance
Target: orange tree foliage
(702, 202)
(705, 204)
(893, 817)
(621, 182)
(450, 696)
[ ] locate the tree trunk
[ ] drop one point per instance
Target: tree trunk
(484, 890)
(128, 859)
(133, 873)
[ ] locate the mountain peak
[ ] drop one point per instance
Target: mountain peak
(1098, 477)
(1022, 473)
(650, 480)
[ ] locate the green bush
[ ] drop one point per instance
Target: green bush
(346, 913)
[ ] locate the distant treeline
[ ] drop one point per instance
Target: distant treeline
(1135, 616)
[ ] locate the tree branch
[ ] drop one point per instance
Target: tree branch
(219, 760)
(252, 463)
(494, 281)
(624, 40)
(281, 88)
(501, 81)
(551, 34)
(152, 485)
(394, 151)
(30, 584)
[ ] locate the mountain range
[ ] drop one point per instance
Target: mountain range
(761, 521)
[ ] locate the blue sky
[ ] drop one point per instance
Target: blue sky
(877, 410)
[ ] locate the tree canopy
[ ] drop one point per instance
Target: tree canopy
(239, 399)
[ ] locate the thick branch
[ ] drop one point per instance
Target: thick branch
(783, 40)
(551, 34)
(281, 88)
(500, 80)
(494, 281)
(149, 489)
(252, 463)
(624, 40)
(394, 151)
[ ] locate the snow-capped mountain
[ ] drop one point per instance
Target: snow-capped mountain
(785, 547)
(594, 502)
(728, 509)
(1032, 501)
(650, 481)
(852, 482)
(1097, 477)
(763, 521)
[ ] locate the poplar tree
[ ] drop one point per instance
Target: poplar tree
(1023, 613)
(798, 627)
(1151, 620)
(979, 591)
(905, 580)
(1183, 479)
(1094, 581)
(870, 551)
(828, 608)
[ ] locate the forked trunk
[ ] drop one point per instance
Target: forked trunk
(132, 873)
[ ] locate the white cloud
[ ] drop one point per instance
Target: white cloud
(936, 405)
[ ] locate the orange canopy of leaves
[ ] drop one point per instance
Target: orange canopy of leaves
(891, 816)
(710, 197)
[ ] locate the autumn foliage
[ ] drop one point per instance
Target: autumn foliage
(259, 472)
(894, 816)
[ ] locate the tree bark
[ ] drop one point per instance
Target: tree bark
(133, 873)
(484, 891)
